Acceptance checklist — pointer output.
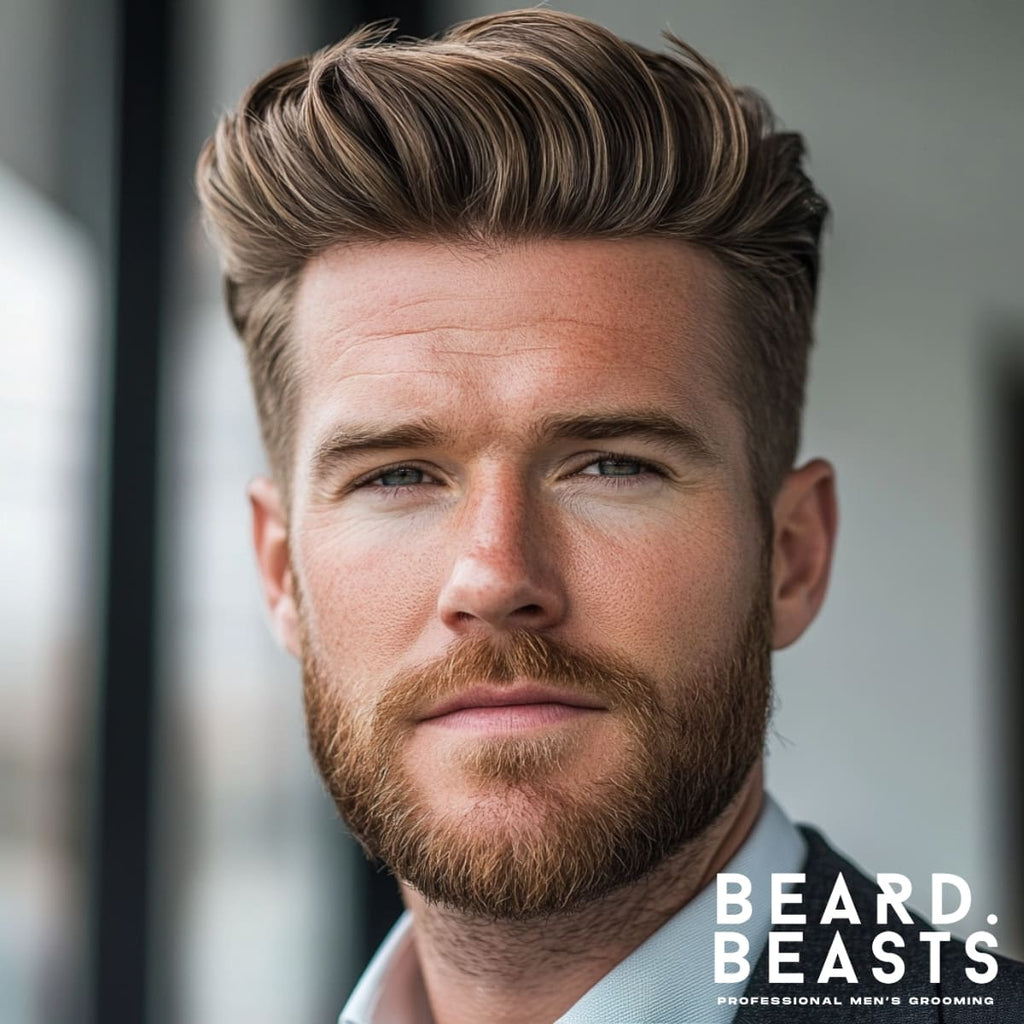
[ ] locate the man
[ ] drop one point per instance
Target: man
(527, 311)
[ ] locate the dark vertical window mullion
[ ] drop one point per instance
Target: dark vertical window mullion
(124, 794)
(1007, 560)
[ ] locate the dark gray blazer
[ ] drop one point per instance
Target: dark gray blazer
(821, 868)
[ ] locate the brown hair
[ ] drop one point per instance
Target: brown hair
(523, 125)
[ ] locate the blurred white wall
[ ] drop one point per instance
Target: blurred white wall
(885, 733)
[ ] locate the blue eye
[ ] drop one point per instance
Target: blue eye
(400, 476)
(616, 466)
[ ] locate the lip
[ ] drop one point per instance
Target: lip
(531, 699)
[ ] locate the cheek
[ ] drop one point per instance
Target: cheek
(366, 595)
(670, 592)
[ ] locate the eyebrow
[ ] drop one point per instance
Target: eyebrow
(648, 424)
(348, 442)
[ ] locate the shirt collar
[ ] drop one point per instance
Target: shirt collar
(391, 989)
(667, 979)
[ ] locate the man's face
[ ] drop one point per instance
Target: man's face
(528, 565)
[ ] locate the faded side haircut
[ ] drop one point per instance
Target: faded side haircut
(526, 125)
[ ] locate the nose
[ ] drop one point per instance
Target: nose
(502, 575)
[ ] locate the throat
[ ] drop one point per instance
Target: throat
(506, 971)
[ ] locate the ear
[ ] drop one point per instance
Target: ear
(270, 539)
(806, 517)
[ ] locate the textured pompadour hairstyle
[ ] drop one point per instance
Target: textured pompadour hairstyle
(527, 125)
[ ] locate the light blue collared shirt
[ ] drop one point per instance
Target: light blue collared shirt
(668, 979)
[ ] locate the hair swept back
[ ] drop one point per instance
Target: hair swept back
(523, 125)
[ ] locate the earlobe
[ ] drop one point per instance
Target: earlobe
(270, 540)
(806, 519)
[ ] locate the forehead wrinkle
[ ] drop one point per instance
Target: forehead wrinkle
(512, 325)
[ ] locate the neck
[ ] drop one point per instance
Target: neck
(509, 971)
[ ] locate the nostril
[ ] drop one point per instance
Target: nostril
(530, 609)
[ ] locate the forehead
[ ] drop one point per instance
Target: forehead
(493, 339)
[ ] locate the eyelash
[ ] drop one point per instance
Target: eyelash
(646, 469)
(371, 480)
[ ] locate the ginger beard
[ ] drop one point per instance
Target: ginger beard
(536, 845)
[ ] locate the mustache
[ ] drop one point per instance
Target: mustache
(519, 655)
